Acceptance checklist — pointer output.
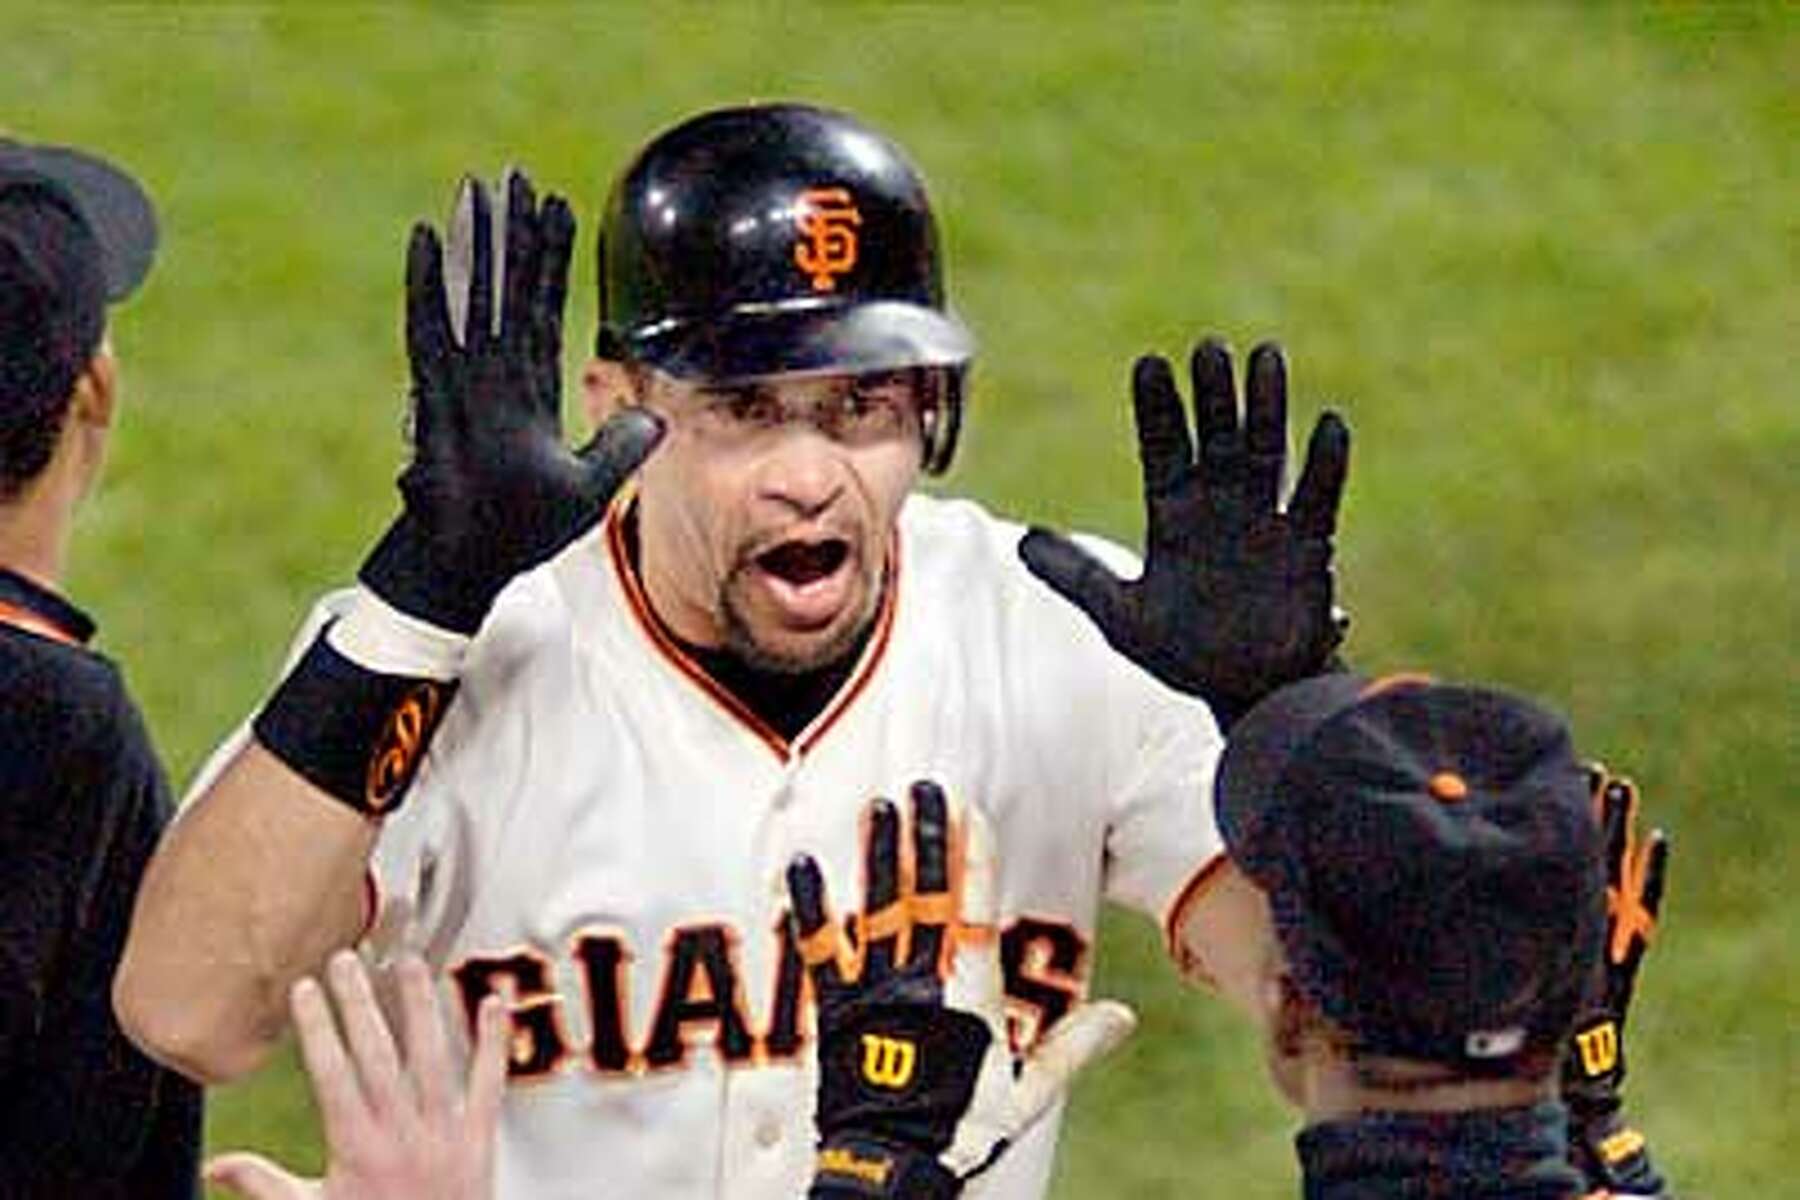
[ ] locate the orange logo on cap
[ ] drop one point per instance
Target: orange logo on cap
(827, 218)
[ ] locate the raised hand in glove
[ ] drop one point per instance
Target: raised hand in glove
(1612, 1156)
(492, 490)
(918, 1087)
(1236, 595)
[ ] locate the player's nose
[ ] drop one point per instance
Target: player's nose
(803, 471)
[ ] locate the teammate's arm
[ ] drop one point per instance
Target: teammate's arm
(919, 1089)
(1612, 1156)
(265, 875)
(398, 1123)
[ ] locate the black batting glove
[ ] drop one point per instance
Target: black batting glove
(1612, 1156)
(919, 1089)
(1236, 595)
(492, 490)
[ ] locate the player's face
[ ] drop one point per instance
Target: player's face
(767, 514)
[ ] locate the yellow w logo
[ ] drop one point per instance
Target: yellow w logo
(888, 1062)
(1599, 1048)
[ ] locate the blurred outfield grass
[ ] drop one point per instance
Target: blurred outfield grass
(1547, 260)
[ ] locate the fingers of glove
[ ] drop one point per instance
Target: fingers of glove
(1618, 827)
(1085, 1035)
(1165, 448)
(428, 339)
(1597, 775)
(1081, 579)
(256, 1178)
(931, 904)
(1265, 425)
(1634, 876)
(468, 265)
(976, 983)
(882, 922)
(556, 233)
(487, 1068)
(617, 449)
(1215, 408)
(1633, 924)
(1313, 510)
(426, 1045)
(329, 1069)
(366, 1033)
(817, 937)
(516, 280)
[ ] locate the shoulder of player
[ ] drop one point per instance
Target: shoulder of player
(68, 722)
(537, 613)
(961, 548)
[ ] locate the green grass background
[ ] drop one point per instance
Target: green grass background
(1546, 259)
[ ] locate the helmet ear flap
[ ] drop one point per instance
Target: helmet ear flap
(943, 422)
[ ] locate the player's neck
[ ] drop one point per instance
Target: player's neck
(1336, 1088)
(35, 528)
(786, 701)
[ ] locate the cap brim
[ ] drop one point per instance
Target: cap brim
(789, 340)
(115, 209)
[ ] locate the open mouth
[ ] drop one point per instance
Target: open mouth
(801, 563)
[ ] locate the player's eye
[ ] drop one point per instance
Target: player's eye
(743, 407)
(875, 405)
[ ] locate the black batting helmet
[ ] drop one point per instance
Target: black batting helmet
(779, 239)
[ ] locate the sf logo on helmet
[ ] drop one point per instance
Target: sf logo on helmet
(827, 219)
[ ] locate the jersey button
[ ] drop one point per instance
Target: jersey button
(768, 1132)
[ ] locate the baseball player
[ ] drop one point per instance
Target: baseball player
(82, 794)
(563, 742)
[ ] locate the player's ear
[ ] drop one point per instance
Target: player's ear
(97, 389)
(606, 388)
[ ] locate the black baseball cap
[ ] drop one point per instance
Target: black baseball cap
(1430, 857)
(76, 234)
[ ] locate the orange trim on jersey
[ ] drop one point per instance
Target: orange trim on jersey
(1197, 886)
(30, 622)
(665, 644)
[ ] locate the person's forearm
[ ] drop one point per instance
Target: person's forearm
(251, 889)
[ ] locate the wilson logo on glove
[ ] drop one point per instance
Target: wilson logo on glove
(888, 1062)
(1599, 1048)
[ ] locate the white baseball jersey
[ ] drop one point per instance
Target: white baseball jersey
(600, 832)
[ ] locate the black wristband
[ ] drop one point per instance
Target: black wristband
(355, 733)
(859, 1168)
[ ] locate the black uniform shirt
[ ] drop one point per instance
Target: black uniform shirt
(82, 800)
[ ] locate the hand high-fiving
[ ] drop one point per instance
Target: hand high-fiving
(1236, 595)
(492, 490)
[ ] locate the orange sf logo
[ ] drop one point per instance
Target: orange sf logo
(827, 218)
(398, 749)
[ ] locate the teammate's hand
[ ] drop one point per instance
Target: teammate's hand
(1613, 1157)
(492, 489)
(394, 1130)
(1236, 595)
(918, 1087)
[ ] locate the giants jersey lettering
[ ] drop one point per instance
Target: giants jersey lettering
(600, 833)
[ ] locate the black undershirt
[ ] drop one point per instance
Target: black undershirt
(786, 701)
(1505, 1153)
